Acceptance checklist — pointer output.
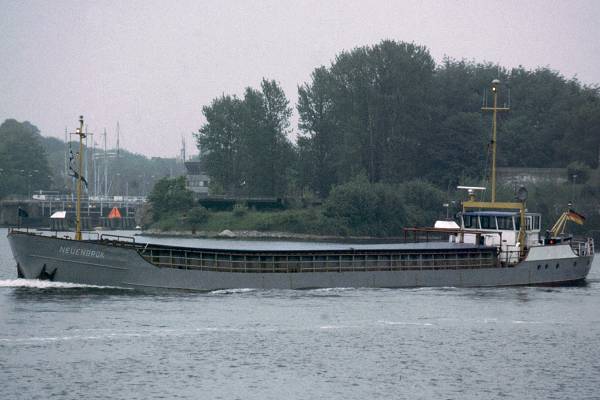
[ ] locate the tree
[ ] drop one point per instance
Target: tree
(366, 208)
(423, 202)
(245, 141)
(369, 112)
(170, 196)
(23, 160)
(318, 144)
(196, 216)
(219, 139)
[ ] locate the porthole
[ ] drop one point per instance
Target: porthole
(546, 266)
(539, 266)
(574, 263)
(557, 265)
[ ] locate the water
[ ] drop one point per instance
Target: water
(71, 341)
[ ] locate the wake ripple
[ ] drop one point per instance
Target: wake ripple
(233, 291)
(38, 284)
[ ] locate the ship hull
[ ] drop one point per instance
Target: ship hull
(97, 263)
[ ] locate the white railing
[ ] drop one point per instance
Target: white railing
(583, 247)
(91, 199)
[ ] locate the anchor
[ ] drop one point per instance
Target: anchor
(20, 273)
(45, 275)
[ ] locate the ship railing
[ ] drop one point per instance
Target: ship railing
(303, 262)
(88, 235)
(510, 257)
(427, 234)
(506, 257)
(25, 229)
(582, 247)
(117, 238)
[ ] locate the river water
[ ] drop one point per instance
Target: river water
(60, 341)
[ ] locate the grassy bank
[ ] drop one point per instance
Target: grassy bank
(301, 221)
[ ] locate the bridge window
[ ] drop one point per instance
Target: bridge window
(470, 221)
(487, 222)
(505, 223)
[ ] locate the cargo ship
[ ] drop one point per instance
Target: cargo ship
(492, 244)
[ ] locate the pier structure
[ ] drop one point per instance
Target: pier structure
(95, 211)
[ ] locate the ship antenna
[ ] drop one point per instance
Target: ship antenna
(495, 109)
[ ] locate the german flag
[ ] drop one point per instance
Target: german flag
(575, 217)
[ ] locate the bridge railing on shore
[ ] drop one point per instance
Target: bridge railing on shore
(86, 199)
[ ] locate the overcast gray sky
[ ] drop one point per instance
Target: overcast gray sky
(152, 65)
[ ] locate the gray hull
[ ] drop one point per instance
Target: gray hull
(96, 263)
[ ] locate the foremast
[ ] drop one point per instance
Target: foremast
(79, 132)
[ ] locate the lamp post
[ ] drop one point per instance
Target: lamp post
(574, 176)
(24, 173)
(29, 176)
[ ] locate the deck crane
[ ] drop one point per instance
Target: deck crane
(559, 226)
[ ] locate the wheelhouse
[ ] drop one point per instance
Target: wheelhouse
(500, 229)
(499, 221)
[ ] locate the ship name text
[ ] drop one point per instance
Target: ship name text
(77, 251)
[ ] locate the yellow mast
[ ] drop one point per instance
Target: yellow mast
(494, 110)
(520, 205)
(81, 135)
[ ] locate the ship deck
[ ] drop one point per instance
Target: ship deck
(295, 257)
(300, 257)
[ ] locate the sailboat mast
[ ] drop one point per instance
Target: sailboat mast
(118, 188)
(105, 167)
(66, 158)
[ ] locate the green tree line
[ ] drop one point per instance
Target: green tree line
(389, 113)
(30, 162)
(23, 161)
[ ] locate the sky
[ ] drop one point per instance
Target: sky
(152, 65)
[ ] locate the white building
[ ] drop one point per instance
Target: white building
(196, 180)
